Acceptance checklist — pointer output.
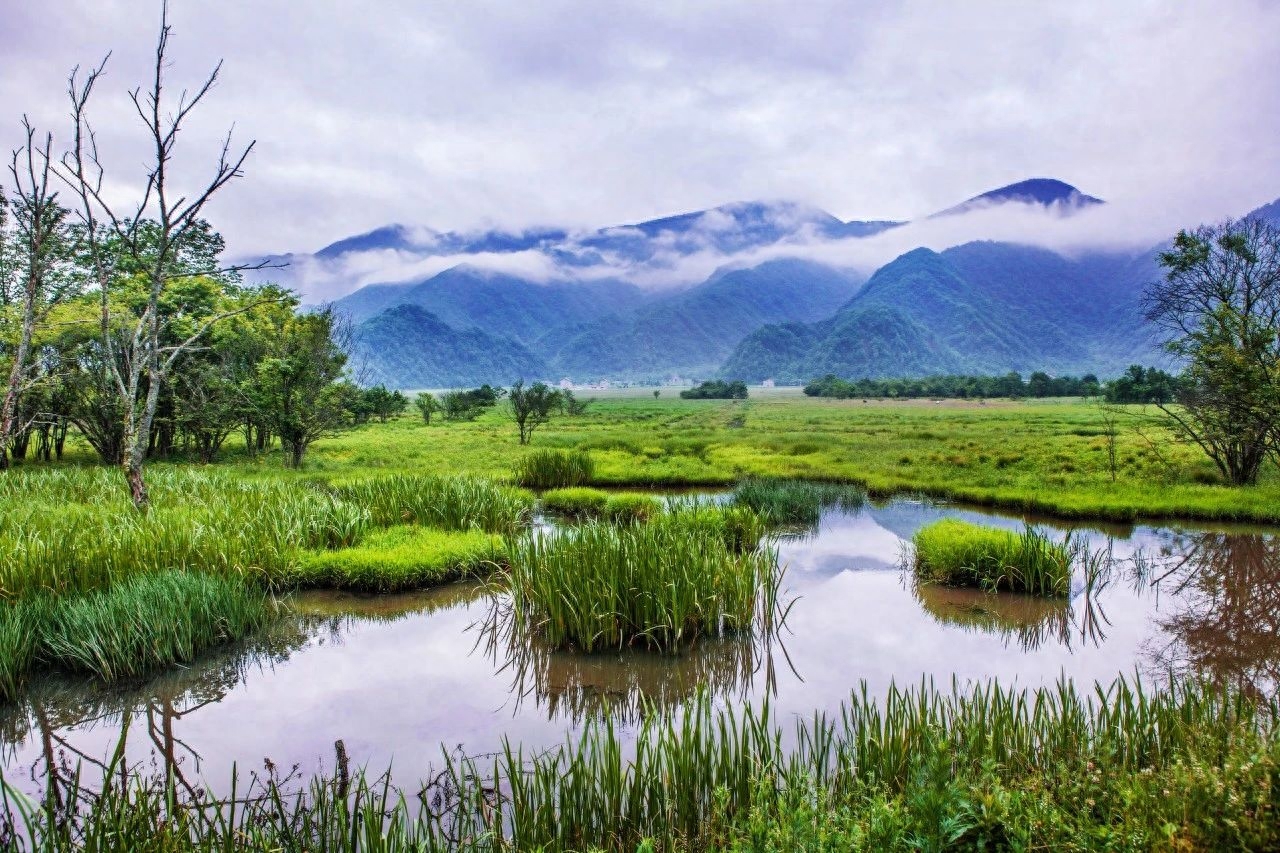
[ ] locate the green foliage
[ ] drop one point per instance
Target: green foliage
(986, 768)
(958, 553)
(578, 502)
(427, 405)
(376, 402)
(533, 406)
(141, 625)
(401, 558)
(1142, 386)
(452, 503)
(1009, 385)
(716, 389)
(660, 585)
(468, 405)
(552, 469)
(629, 507)
(797, 502)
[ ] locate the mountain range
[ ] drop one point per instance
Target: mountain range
(630, 302)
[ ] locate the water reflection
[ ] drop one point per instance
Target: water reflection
(573, 687)
(1224, 623)
(1026, 621)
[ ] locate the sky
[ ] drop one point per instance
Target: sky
(461, 115)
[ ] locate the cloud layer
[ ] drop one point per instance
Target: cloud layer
(466, 115)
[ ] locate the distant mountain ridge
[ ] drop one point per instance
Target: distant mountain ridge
(977, 307)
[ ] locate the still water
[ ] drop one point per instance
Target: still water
(400, 678)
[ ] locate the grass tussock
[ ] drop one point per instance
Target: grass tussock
(957, 553)
(401, 558)
(660, 585)
(554, 469)
(142, 625)
(990, 768)
(451, 503)
(795, 502)
(575, 501)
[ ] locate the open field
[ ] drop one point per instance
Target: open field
(1042, 456)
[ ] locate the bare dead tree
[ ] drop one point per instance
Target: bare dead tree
(140, 356)
(38, 220)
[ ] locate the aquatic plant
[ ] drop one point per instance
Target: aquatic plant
(400, 558)
(795, 502)
(958, 553)
(987, 767)
(148, 622)
(554, 469)
(575, 501)
(452, 503)
(631, 507)
(660, 585)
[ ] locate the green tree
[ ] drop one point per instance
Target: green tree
(427, 404)
(532, 407)
(1218, 308)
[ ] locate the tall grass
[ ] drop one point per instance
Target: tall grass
(795, 502)
(659, 585)
(452, 503)
(958, 553)
(987, 768)
(575, 501)
(554, 469)
(401, 558)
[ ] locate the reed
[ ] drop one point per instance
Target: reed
(795, 502)
(451, 503)
(988, 767)
(628, 507)
(659, 585)
(554, 469)
(149, 622)
(957, 553)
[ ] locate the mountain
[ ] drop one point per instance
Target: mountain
(1043, 192)
(982, 307)
(693, 331)
(409, 347)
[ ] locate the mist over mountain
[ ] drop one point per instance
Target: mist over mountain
(754, 290)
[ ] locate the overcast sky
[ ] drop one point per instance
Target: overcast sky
(463, 114)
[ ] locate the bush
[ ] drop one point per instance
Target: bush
(716, 389)
(554, 469)
(401, 558)
(957, 553)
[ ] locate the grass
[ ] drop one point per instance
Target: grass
(625, 507)
(660, 585)
(1116, 768)
(554, 469)
(957, 553)
(576, 501)
(401, 558)
(795, 502)
(451, 503)
(144, 624)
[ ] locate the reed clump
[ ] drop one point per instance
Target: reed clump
(451, 503)
(555, 469)
(987, 767)
(957, 553)
(795, 502)
(659, 585)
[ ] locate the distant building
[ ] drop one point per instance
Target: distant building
(768, 383)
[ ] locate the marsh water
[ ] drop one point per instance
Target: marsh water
(399, 679)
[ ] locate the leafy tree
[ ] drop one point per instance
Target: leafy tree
(572, 406)
(533, 406)
(427, 404)
(717, 389)
(467, 405)
(301, 393)
(1218, 308)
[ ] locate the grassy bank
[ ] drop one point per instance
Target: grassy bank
(958, 553)
(1042, 456)
(924, 769)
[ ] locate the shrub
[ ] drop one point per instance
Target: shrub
(401, 558)
(554, 469)
(958, 553)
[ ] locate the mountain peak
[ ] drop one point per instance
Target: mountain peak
(1042, 192)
